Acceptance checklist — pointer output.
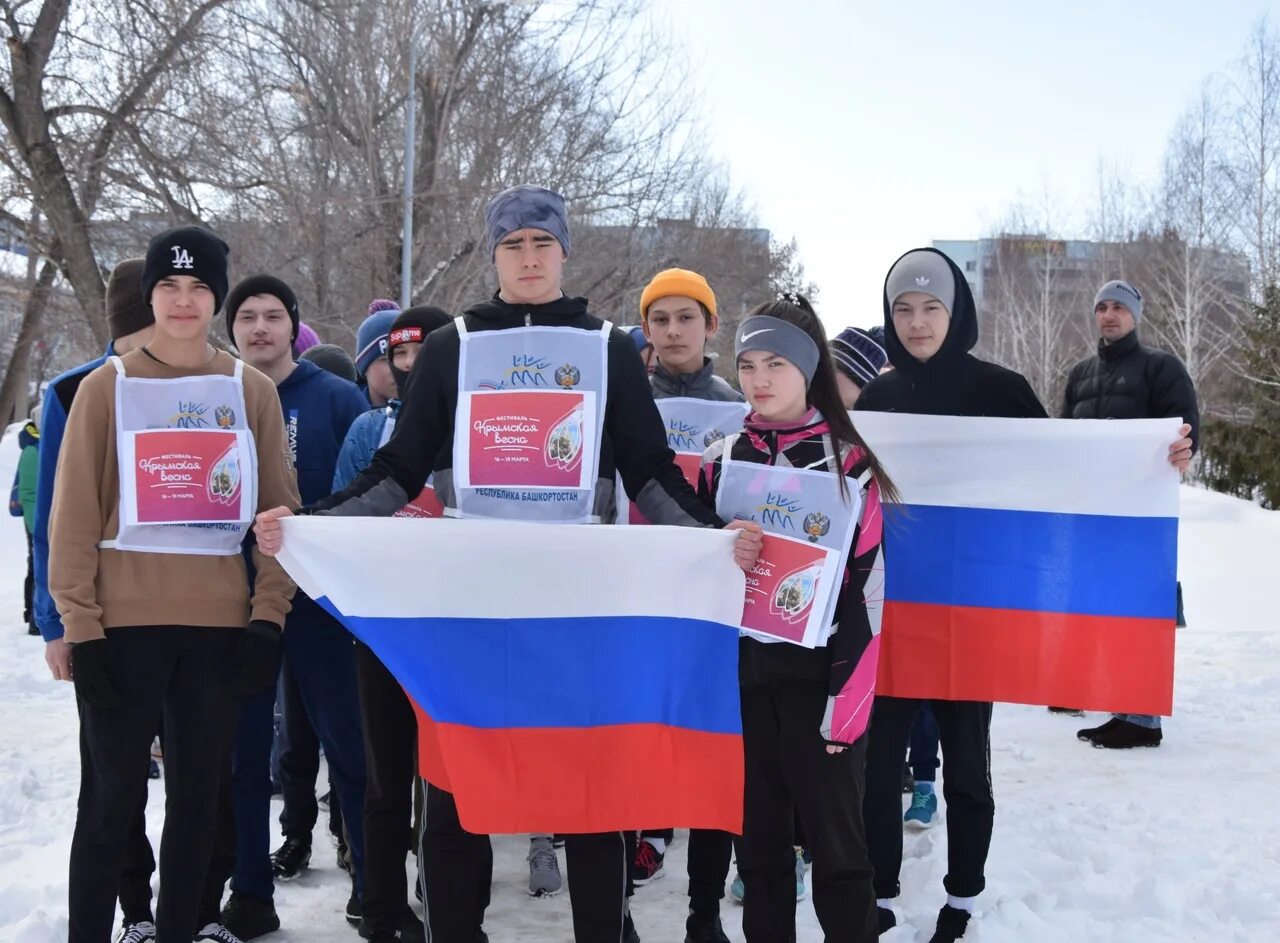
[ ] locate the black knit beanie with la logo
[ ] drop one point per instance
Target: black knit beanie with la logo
(187, 250)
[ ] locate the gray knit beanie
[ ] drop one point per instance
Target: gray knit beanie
(1122, 293)
(924, 271)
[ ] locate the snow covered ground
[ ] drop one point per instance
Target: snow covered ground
(1176, 844)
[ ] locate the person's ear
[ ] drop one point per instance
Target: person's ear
(713, 326)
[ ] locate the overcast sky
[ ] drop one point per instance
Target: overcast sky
(863, 129)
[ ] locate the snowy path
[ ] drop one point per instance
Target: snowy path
(1176, 844)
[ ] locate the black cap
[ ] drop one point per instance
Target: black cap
(187, 250)
(261, 285)
(412, 324)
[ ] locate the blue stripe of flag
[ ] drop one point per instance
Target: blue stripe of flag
(1043, 562)
(580, 672)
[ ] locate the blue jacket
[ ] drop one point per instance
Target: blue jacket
(319, 409)
(362, 441)
(53, 423)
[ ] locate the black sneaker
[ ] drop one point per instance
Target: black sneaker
(951, 925)
(1089, 733)
(1127, 735)
(704, 928)
(646, 866)
(410, 930)
(290, 859)
(1069, 711)
(249, 918)
(218, 933)
(629, 934)
(355, 909)
(885, 919)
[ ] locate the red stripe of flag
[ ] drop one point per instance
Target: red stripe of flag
(1102, 663)
(579, 780)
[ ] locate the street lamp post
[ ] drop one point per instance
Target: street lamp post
(406, 248)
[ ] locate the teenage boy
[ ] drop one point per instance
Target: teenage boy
(371, 352)
(1127, 380)
(164, 618)
(930, 326)
(530, 336)
(131, 324)
(318, 407)
(678, 314)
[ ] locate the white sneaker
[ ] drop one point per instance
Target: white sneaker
(140, 932)
(218, 933)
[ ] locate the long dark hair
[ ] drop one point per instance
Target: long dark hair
(824, 393)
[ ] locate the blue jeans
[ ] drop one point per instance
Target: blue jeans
(924, 746)
(1142, 720)
(321, 658)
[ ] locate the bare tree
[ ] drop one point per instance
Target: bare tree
(1254, 168)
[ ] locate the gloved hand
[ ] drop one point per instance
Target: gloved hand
(256, 661)
(91, 671)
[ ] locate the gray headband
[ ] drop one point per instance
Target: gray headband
(780, 337)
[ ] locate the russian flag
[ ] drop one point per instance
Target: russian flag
(566, 679)
(1032, 561)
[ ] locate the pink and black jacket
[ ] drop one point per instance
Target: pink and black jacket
(848, 662)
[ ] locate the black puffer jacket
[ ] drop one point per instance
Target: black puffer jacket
(1128, 381)
(952, 382)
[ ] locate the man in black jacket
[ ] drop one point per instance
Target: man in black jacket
(528, 236)
(1125, 380)
(930, 327)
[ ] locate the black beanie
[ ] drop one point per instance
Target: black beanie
(412, 324)
(187, 250)
(261, 285)
(127, 312)
(333, 358)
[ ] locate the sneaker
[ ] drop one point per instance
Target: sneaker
(924, 807)
(704, 928)
(629, 934)
(139, 932)
(1069, 711)
(344, 856)
(1127, 735)
(218, 933)
(951, 925)
(290, 859)
(355, 910)
(249, 918)
(801, 892)
(1089, 733)
(544, 869)
(737, 890)
(908, 782)
(886, 920)
(154, 771)
(647, 865)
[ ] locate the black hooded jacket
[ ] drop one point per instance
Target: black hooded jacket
(952, 382)
(634, 442)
